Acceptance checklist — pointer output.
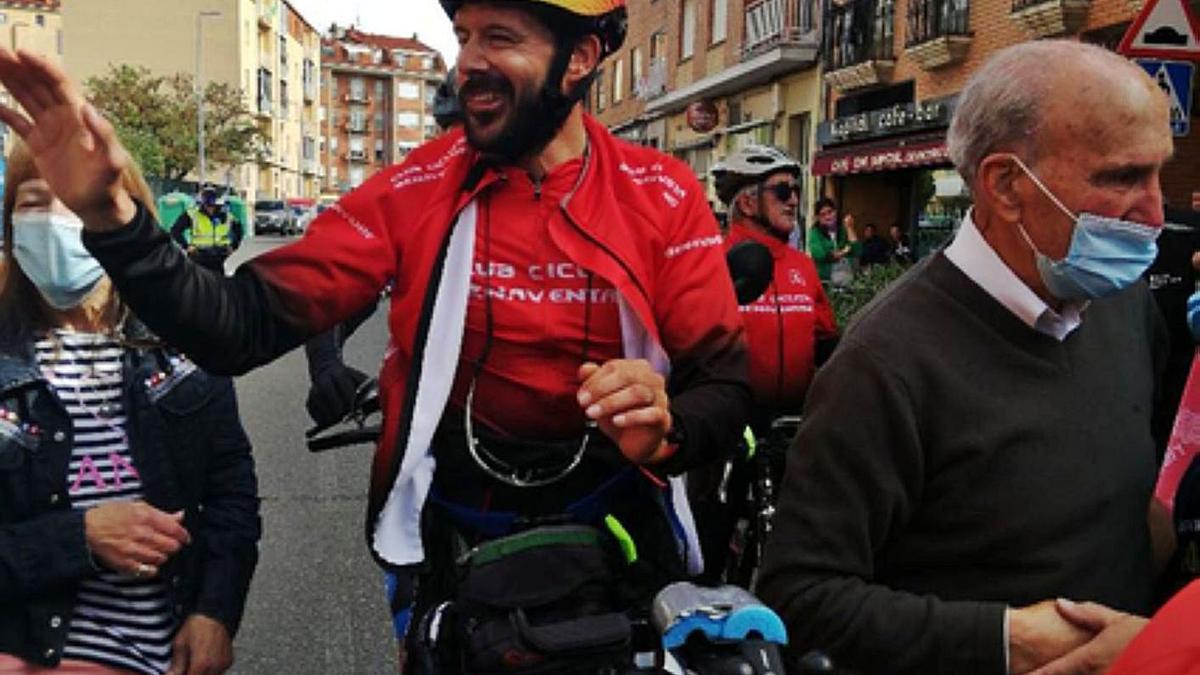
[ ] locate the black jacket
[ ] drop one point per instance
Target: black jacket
(192, 454)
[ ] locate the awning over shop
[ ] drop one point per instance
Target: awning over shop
(898, 154)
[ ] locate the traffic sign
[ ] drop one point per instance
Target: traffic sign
(1175, 79)
(1164, 29)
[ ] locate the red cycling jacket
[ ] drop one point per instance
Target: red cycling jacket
(784, 324)
(636, 219)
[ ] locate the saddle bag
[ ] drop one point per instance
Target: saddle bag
(541, 601)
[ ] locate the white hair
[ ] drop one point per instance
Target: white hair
(1001, 108)
(735, 211)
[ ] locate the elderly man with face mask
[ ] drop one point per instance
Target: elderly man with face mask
(564, 340)
(1007, 461)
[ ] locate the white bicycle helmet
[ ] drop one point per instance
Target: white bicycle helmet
(748, 166)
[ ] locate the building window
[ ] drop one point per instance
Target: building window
(358, 120)
(687, 32)
(378, 90)
(859, 31)
(379, 151)
(264, 90)
(357, 175)
(601, 92)
(333, 143)
(635, 67)
(3, 17)
(358, 89)
(379, 121)
(408, 120)
(410, 91)
(283, 51)
(618, 82)
(283, 96)
(40, 19)
(658, 45)
(720, 20)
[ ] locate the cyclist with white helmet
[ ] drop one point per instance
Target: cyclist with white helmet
(564, 340)
(791, 326)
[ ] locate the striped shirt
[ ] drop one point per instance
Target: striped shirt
(118, 620)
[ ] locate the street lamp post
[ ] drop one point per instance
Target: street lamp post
(200, 16)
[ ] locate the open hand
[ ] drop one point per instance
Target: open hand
(133, 537)
(202, 646)
(75, 149)
(628, 399)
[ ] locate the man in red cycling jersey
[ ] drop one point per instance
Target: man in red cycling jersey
(559, 295)
(790, 328)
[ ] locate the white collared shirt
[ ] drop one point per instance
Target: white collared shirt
(971, 253)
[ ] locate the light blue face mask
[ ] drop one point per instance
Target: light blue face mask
(1106, 255)
(49, 248)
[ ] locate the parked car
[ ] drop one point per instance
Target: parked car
(272, 216)
(298, 208)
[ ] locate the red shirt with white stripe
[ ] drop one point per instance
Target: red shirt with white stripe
(544, 309)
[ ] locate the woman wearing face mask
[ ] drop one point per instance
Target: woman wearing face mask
(128, 500)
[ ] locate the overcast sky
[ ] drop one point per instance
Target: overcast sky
(387, 17)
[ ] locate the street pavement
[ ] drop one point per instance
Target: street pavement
(317, 604)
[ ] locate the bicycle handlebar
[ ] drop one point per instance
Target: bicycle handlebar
(367, 434)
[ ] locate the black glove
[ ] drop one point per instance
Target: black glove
(331, 396)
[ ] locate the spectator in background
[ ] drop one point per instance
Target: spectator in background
(901, 251)
(1008, 460)
(875, 250)
(833, 249)
(208, 232)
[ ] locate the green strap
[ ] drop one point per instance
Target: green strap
(624, 540)
(500, 548)
(751, 442)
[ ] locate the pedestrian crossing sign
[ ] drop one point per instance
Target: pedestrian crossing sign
(1175, 79)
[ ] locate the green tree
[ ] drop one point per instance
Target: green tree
(155, 117)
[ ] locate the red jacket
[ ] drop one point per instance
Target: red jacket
(637, 219)
(784, 324)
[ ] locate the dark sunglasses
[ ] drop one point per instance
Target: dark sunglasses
(784, 191)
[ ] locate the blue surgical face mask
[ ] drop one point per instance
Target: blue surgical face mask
(49, 248)
(1106, 255)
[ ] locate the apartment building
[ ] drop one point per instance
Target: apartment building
(264, 47)
(376, 102)
(35, 25)
(895, 69)
(702, 78)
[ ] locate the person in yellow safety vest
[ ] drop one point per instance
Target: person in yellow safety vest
(209, 233)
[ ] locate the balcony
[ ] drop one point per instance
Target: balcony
(357, 127)
(859, 48)
(779, 37)
(1050, 18)
(938, 32)
(267, 10)
(265, 108)
(356, 155)
(356, 97)
(309, 167)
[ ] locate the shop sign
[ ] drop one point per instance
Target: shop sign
(702, 116)
(882, 159)
(901, 118)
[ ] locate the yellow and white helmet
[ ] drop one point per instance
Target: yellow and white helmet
(609, 19)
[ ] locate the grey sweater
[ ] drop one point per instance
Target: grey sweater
(954, 461)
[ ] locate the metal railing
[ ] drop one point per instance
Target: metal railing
(932, 19)
(859, 31)
(772, 23)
